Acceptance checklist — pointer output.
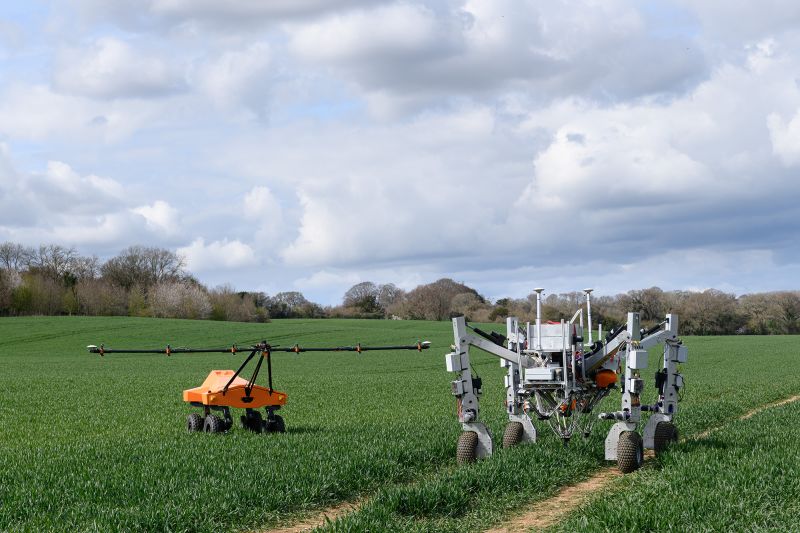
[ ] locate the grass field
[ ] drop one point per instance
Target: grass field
(99, 444)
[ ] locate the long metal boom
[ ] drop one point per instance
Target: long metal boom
(264, 346)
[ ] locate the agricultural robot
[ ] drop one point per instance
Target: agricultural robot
(224, 389)
(556, 377)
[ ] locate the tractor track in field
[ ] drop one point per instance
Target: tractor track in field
(547, 512)
(320, 519)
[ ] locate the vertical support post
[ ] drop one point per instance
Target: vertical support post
(630, 399)
(588, 293)
(538, 292)
(564, 356)
(669, 401)
(513, 378)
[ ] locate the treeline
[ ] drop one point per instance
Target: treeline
(153, 282)
(710, 312)
(140, 281)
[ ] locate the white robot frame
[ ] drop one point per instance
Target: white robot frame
(555, 376)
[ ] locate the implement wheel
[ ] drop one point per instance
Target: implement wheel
(276, 425)
(665, 435)
(630, 452)
(214, 424)
(194, 423)
(252, 420)
(513, 434)
(466, 451)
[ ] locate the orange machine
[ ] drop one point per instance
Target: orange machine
(224, 389)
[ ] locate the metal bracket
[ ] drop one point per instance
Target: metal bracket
(649, 432)
(528, 429)
(484, 447)
(613, 438)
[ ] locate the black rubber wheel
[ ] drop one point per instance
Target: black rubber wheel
(214, 424)
(194, 423)
(252, 420)
(666, 434)
(276, 425)
(513, 434)
(466, 451)
(630, 452)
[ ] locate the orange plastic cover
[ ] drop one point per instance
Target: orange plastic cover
(210, 392)
(605, 377)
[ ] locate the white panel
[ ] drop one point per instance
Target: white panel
(539, 374)
(683, 354)
(453, 362)
(637, 359)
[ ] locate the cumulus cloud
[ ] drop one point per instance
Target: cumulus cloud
(405, 56)
(229, 15)
(64, 206)
(785, 137)
(159, 216)
(111, 68)
(36, 112)
(263, 207)
(224, 254)
(238, 77)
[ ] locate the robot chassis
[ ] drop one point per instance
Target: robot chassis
(560, 380)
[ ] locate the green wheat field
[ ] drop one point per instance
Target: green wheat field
(99, 444)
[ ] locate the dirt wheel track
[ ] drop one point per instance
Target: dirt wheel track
(321, 518)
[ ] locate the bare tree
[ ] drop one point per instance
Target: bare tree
(364, 297)
(389, 295)
(432, 301)
(97, 297)
(85, 268)
(14, 256)
(361, 294)
(286, 304)
(143, 266)
(53, 261)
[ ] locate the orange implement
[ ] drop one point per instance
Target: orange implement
(210, 393)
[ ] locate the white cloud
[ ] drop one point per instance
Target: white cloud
(230, 15)
(111, 68)
(239, 77)
(222, 254)
(785, 138)
(242, 10)
(423, 56)
(387, 31)
(35, 112)
(262, 206)
(160, 216)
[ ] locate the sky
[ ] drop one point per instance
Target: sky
(313, 144)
